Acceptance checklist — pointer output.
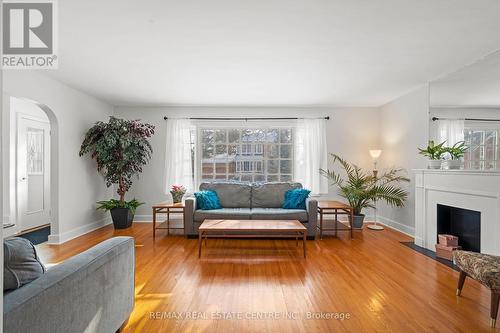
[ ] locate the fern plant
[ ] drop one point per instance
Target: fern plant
(457, 150)
(362, 189)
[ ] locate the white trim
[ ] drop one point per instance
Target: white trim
(403, 228)
(77, 232)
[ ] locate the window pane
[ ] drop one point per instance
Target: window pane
(286, 178)
(221, 168)
(221, 150)
(286, 136)
(273, 136)
(476, 138)
(207, 168)
(232, 150)
(232, 167)
(273, 166)
(285, 166)
(246, 178)
(220, 136)
(272, 178)
(272, 151)
(286, 151)
(259, 178)
(207, 151)
(233, 135)
(207, 136)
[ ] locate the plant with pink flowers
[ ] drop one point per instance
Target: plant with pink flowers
(177, 192)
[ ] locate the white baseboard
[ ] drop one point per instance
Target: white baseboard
(407, 230)
(69, 235)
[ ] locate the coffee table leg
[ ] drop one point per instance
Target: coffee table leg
(154, 223)
(304, 242)
(200, 236)
(321, 224)
(297, 240)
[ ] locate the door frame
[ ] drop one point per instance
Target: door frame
(47, 173)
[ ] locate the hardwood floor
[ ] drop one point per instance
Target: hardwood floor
(382, 285)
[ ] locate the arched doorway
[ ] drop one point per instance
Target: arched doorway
(32, 183)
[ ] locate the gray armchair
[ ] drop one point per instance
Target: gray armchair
(90, 292)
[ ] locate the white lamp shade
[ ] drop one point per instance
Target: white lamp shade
(375, 153)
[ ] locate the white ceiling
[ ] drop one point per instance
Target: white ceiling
(268, 52)
(477, 85)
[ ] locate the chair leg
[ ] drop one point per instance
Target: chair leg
(461, 281)
(495, 299)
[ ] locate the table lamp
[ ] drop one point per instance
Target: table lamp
(375, 154)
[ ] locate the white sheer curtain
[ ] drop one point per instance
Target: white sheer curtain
(310, 154)
(178, 155)
(449, 130)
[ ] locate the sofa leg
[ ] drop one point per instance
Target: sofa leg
(461, 281)
(495, 299)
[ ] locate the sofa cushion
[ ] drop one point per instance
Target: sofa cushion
(279, 214)
(207, 200)
(296, 198)
(21, 263)
(271, 195)
(231, 195)
(224, 213)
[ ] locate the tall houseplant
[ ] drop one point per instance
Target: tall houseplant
(362, 189)
(121, 148)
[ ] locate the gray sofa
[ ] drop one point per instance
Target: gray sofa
(90, 292)
(247, 201)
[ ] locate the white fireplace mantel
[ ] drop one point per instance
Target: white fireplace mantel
(467, 189)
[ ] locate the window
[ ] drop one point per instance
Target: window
(246, 154)
(483, 148)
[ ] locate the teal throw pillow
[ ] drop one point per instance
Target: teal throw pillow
(296, 199)
(207, 200)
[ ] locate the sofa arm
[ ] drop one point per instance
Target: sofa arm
(90, 292)
(312, 220)
(189, 209)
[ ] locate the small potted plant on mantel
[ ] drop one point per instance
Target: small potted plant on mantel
(362, 189)
(456, 152)
(434, 153)
(121, 148)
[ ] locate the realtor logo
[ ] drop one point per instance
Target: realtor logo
(29, 34)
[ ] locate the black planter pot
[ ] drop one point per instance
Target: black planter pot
(122, 218)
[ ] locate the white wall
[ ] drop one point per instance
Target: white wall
(351, 132)
(78, 185)
(404, 127)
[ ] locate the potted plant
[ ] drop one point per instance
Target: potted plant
(177, 192)
(434, 153)
(362, 189)
(121, 148)
(456, 152)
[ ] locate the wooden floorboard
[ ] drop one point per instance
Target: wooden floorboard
(382, 285)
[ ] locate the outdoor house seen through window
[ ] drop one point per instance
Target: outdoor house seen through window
(483, 151)
(246, 154)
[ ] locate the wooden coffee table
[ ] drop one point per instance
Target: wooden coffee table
(252, 229)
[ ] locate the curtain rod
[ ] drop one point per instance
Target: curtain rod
(246, 119)
(470, 119)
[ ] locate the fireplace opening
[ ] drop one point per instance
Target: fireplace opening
(463, 223)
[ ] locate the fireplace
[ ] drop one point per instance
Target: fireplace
(463, 223)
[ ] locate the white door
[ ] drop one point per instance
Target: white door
(33, 172)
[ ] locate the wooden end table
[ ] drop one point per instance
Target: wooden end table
(334, 208)
(167, 207)
(252, 229)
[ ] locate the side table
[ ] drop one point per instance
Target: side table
(167, 207)
(334, 208)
